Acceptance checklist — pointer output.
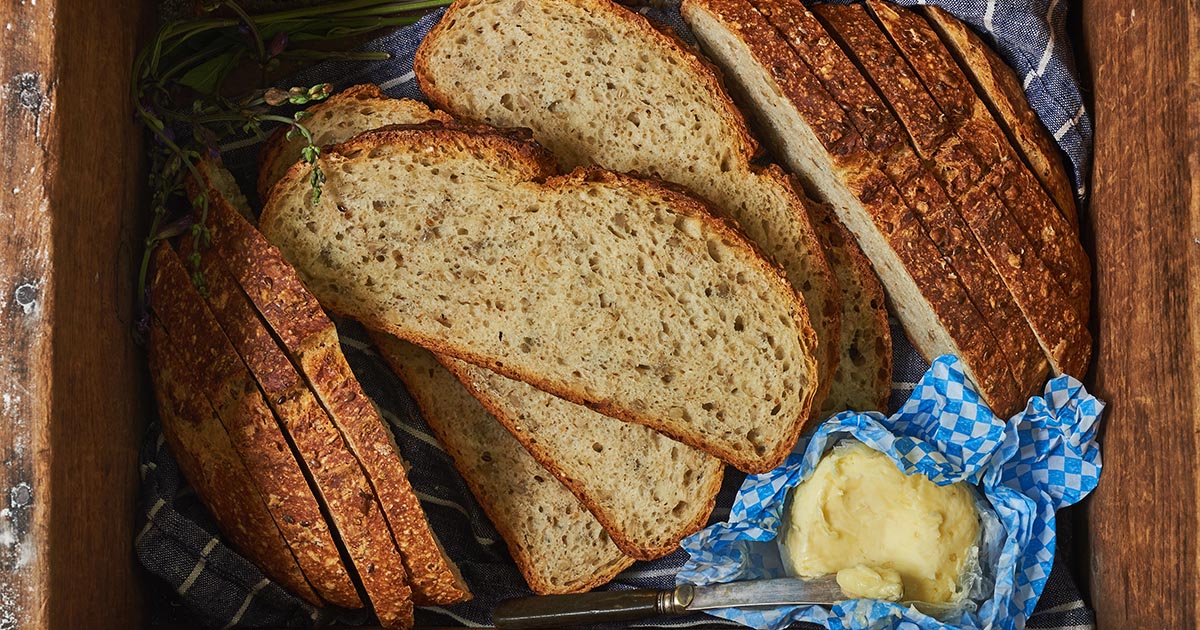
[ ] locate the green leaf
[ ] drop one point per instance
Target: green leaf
(207, 77)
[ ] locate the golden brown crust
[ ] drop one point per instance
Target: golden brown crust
(337, 476)
(813, 46)
(874, 335)
(217, 369)
(638, 549)
(443, 428)
(1002, 91)
(213, 469)
(311, 341)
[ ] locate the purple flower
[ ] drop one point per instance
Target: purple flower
(278, 44)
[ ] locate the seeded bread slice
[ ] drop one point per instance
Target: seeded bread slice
(863, 380)
(833, 159)
(337, 119)
(336, 475)
(1001, 90)
(647, 491)
(215, 368)
(310, 340)
(604, 289)
(557, 544)
(212, 466)
(598, 84)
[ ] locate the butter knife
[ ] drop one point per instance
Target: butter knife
(548, 611)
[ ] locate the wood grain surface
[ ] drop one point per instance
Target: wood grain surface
(72, 386)
(1145, 214)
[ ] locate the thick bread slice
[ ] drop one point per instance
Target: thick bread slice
(863, 380)
(337, 119)
(964, 248)
(311, 342)
(598, 84)
(336, 475)
(999, 87)
(927, 293)
(608, 290)
(215, 471)
(557, 544)
(1052, 238)
(216, 368)
(647, 490)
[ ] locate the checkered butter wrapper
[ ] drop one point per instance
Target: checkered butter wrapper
(1042, 459)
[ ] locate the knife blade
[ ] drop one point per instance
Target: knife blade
(548, 611)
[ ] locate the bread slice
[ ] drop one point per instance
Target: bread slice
(646, 490)
(336, 475)
(598, 84)
(310, 340)
(1001, 90)
(212, 466)
(1049, 236)
(557, 544)
(863, 381)
(991, 215)
(833, 157)
(215, 368)
(337, 119)
(607, 290)
(963, 246)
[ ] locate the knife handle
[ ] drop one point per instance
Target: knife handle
(548, 611)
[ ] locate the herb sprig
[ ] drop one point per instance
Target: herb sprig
(181, 94)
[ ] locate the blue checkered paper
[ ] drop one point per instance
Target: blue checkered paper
(1042, 459)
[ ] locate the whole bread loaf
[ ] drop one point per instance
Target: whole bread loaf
(310, 341)
(556, 542)
(599, 84)
(608, 290)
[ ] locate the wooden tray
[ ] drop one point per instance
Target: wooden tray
(73, 390)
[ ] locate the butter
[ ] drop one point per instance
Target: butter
(858, 509)
(864, 582)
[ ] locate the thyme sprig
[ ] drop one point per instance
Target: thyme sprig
(181, 93)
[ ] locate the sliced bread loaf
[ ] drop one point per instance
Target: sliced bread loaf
(310, 340)
(647, 490)
(214, 367)
(214, 469)
(556, 542)
(1001, 90)
(817, 137)
(337, 119)
(336, 476)
(598, 84)
(863, 380)
(604, 289)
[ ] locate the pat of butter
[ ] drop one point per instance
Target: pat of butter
(864, 582)
(858, 508)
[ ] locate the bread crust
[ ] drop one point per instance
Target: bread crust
(501, 149)
(522, 549)
(629, 544)
(1002, 91)
(311, 341)
(209, 462)
(252, 427)
(336, 475)
(820, 287)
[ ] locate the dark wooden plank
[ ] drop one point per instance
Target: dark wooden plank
(71, 381)
(1142, 520)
